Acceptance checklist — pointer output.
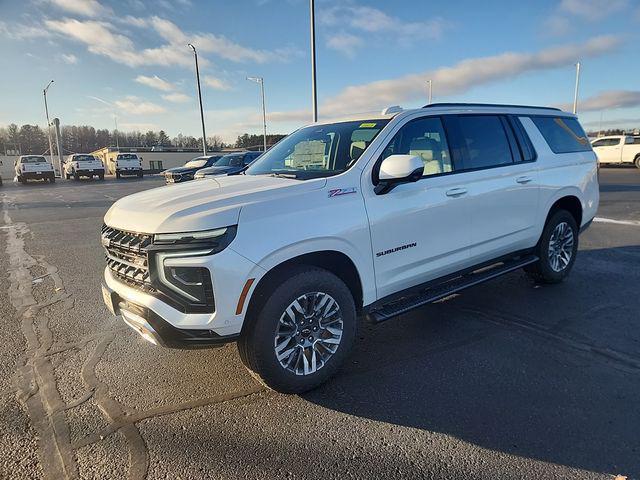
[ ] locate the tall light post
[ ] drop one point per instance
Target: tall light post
(204, 135)
(430, 82)
(575, 93)
(314, 94)
(260, 81)
(46, 111)
(115, 121)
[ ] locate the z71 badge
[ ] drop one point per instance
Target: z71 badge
(336, 192)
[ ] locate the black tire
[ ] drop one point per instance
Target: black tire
(118, 175)
(543, 271)
(257, 342)
(67, 176)
(76, 176)
(21, 180)
(52, 179)
(637, 162)
(101, 176)
(140, 174)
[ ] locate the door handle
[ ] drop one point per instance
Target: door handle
(456, 192)
(523, 179)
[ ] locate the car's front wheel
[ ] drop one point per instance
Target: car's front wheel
(302, 333)
(556, 249)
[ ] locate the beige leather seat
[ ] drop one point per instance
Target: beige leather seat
(430, 152)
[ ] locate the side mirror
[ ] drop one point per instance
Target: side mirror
(398, 169)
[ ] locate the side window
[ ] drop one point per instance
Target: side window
(484, 141)
(425, 138)
(563, 134)
(527, 152)
(606, 142)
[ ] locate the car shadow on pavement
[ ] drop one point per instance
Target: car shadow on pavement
(549, 373)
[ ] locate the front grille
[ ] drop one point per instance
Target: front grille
(126, 255)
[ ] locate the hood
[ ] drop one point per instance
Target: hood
(180, 170)
(207, 204)
(218, 170)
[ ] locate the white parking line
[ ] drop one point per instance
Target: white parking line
(635, 223)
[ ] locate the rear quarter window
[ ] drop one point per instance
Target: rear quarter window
(562, 134)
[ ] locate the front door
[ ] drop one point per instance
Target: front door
(421, 230)
(608, 150)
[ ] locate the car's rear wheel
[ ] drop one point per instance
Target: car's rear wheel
(76, 176)
(302, 333)
(556, 249)
(117, 175)
(101, 176)
(638, 162)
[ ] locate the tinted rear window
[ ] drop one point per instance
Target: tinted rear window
(564, 135)
(485, 140)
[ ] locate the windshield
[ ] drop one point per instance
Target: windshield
(84, 158)
(233, 160)
(318, 150)
(127, 156)
(196, 163)
(33, 159)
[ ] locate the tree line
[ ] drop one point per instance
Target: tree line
(33, 140)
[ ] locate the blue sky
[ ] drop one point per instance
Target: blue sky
(130, 58)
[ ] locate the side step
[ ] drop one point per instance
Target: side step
(439, 291)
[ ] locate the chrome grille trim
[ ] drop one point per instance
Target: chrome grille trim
(126, 255)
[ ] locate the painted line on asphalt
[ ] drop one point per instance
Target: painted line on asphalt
(635, 223)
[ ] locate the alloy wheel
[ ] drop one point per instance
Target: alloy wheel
(560, 247)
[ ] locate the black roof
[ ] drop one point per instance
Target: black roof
(432, 105)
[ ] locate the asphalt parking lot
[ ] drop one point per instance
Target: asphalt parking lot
(506, 380)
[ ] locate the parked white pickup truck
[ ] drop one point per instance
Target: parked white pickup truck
(34, 167)
(83, 165)
(617, 149)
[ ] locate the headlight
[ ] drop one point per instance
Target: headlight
(216, 240)
(193, 283)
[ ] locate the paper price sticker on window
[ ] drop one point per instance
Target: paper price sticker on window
(368, 125)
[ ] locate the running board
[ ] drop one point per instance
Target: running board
(444, 289)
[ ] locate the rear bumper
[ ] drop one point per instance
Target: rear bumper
(155, 329)
(90, 172)
(37, 176)
(129, 170)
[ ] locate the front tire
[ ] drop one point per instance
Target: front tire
(637, 162)
(302, 333)
(118, 175)
(556, 249)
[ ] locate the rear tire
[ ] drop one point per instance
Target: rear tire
(101, 176)
(21, 180)
(556, 249)
(118, 175)
(76, 176)
(52, 179)
(140, 174)
(302, 333)
(637, 162)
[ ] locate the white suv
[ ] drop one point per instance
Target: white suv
(372, 216)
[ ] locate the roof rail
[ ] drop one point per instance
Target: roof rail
(432, 105)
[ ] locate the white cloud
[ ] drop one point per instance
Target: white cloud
(102, 38)
(155, 82)
(608, 100)
(136, 106)
(21, 31)
(345, 43)
(452, 80)
(69, 58)
(372, 20)
(87, 8)
(615, 122)
(177, 97)
(216, 83)
(592, 10)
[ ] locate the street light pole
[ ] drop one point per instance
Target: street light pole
(430, 82)
(260, 81)
(575, 93)
(46, 111)
(115, 121)
(314, 94)
(204, 136)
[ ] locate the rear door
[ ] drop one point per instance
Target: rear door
(608, 150)
(502, 182)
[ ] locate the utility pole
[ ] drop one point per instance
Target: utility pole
(46, 111)
(115, 121)
(260, 81)
(204, 135)
(430, 82)
(575, 93)
(314, 94)
(56, 124)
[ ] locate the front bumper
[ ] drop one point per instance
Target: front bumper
(178, 178)
(155, 329)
